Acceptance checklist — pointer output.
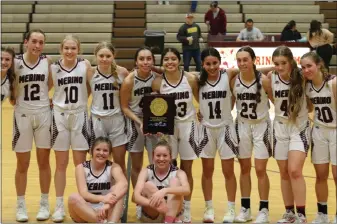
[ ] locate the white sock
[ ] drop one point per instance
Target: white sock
(231, 204)
(59, 201)
(20, 198)
(44, 197)
(187, 205)
(209, 204)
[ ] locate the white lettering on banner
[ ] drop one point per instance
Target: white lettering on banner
(263, 55)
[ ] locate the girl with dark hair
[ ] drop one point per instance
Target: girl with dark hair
(216, 103)
(7, 74)
(32, 120)
(106, 117)
(321, 39)
(134, 87)
(321, 89)
(183, 86)
(98, 204)
(290, 33)
(285, 88)
(253, 129)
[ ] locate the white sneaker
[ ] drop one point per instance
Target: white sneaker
(167, 3)
(301, 218)
(44, 212)
(321, 218)
(262, 216)
(288, 217)
(160, 2)
(229, 217)
(59, 213)
(244, 215)
(187, 215)
(21, 212)
(138, 212)
(208, 215)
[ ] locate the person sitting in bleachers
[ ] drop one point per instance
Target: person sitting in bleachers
(250, 33)
(320, 39)
(290, 33)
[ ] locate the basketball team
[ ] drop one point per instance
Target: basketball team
(162, 191)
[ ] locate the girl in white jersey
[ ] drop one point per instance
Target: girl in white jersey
(7, 74)
(70, 119)
(285, 88)
(216, 103)
(106, 114)
(101, 186)
(185, 141)
(135, 86)
(321, 90)
(253, 129)
(160, 187)
(32, 119)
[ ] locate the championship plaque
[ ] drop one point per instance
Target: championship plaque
(158, 114)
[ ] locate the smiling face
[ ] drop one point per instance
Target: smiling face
(144, 61)
(101, 152)
(282, 65)
(211, 64)
(244, 61)
(69, 49)
(104, 58)
(309, 68)
(6, 61)
(171, 62)
(161, 157)
(35, 43)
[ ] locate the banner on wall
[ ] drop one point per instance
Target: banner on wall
(263, 55)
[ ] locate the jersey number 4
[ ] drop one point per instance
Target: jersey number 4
(214, 109)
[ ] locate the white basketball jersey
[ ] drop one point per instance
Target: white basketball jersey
(247, 107)
(98, 184)
(33, 85)
(140, 88)
(281, 99)
(215, 102)
(105, 94)
(4, 89)
(324, 103)
(164, 182)
(182, 93)
(70, 86)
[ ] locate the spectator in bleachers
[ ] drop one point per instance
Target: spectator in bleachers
(161, 2)
(194, 5)
(250, 33)
(320, 39)
(189, 35)
(216, 21)
(290, 32)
